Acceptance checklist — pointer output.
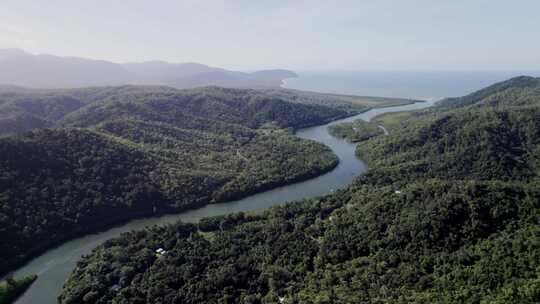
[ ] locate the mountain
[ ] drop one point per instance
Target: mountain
(47, 71)
(448, 213)
(186, 75)
(161, 70)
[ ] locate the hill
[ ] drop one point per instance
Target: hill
(490, 136)
(47, 71)
(518, 91)
(23, 110)
(447, 213)
(99, 156)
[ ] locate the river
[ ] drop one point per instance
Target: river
(54, 266)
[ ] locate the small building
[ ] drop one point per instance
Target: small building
(116, 287)
(397, 192)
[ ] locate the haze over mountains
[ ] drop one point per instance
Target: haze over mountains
(20, 68)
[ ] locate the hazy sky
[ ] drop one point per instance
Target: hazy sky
(252, 34)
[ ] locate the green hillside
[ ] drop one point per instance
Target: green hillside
(518, 91)
(23, 110)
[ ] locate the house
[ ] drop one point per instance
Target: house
(397, 192)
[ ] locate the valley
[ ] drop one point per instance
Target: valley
(53, 267)
(447, 212)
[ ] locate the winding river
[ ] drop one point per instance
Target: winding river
(54, 266)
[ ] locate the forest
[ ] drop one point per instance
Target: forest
(24, 110)
(449, 212)
(75, 161)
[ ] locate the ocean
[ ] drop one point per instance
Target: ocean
(406, 84)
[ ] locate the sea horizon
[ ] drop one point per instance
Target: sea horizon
(424, 85)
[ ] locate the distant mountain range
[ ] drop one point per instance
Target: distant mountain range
(18, 67)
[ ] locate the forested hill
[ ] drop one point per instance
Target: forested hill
(449, 212)
(518, 91)
(22, 110)
(98, 156)
(494, 136)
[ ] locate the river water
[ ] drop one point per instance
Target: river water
(54, 266)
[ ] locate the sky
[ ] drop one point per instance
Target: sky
(294, 34)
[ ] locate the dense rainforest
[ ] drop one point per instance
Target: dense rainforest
(449, 212)
(74, 161)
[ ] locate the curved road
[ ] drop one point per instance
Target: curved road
(55, 265)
